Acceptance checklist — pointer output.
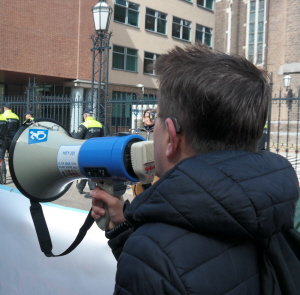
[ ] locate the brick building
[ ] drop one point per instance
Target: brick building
(51, 43)
(264, 31)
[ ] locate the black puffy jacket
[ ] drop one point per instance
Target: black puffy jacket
(217, 223)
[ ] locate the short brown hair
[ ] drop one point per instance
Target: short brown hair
(220, 100)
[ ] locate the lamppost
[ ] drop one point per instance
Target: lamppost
(287, 82)
(100, 39)
(143, 89)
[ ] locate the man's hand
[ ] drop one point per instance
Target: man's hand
(115, 207)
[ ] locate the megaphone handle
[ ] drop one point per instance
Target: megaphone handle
(114, 188)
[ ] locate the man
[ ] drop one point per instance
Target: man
(220, 218)
(13, 125)
(28, 117)
(88, 129)
(3, 131)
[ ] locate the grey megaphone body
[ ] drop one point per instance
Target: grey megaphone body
(44, 161)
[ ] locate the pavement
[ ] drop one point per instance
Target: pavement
(72, 198)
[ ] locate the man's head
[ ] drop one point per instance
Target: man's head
(147, 117)
(7, 106)
(28, 115)
(88, 112)
(218, 101)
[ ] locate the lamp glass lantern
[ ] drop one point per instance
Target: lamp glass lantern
(102, 14)
(287, 80)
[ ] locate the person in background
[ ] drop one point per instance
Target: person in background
(3, 131)
(88, 129)
(13, 125)
(146, 131)
(28, 117)
(220, 220)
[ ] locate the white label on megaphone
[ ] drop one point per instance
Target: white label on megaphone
(67, 161)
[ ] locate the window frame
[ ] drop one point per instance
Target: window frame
(204, 34)
(156, 56)
(156, 17)
(181, 28)
(125, 54)
(127, 9)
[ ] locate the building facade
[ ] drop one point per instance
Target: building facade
(265, 32)
(51, 45)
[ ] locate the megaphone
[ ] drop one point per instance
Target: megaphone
(44, 160)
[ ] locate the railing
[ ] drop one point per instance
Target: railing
(284, 127)
(119, 115)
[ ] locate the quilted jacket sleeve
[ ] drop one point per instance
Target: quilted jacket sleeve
(145, 268)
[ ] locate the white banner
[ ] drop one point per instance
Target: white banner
(25, 270)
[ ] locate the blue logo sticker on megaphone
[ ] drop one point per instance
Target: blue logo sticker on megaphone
(37, 136)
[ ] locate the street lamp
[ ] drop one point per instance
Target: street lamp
(100, 39)
(287, 81)
(143, 88)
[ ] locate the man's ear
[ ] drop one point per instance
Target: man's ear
(173, 138)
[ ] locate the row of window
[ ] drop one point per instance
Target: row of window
(127, 59)
(127, 12)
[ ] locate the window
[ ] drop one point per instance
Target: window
(206, 3)
(156, 21)
(149, 60)
(181, 28)
(125, 58)
(256, 28)
(204, 34)
(121, 108)
(127, 12)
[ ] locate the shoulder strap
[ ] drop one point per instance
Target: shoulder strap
(44, 235)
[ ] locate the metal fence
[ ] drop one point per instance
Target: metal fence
(115, 115)
(118, 115)
(284, 126)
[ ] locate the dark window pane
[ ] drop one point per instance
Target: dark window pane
(207, 39)
(209, 4)
(199, 35)
(176, 20)
(132, 51)
(149, 55)
(150, 11)
(120, 14)
(162, 15)
(132, 18)
(133, 6)
(161, 26)
(148, 66)
(131, 64)
(121, 2)
(199, 27)
(186, 33)
(176, 30)
(200, 2)
(150, 23)
(118, 61)
(118, 49)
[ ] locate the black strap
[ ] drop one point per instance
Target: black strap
(44, 235)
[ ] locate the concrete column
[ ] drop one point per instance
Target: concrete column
(76, 108)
